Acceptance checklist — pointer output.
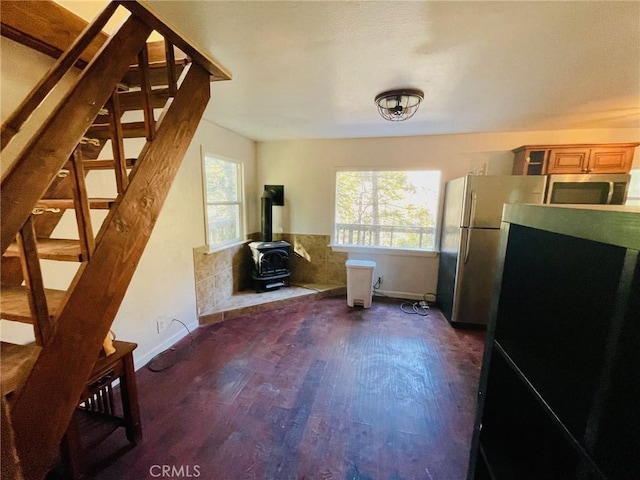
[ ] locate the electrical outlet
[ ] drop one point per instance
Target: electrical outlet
(161, 325)
(380, 281)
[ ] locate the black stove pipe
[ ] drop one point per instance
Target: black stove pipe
(266, 204)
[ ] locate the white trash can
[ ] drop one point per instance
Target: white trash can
(360, 282)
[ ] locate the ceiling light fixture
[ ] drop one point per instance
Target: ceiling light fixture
(399, 105)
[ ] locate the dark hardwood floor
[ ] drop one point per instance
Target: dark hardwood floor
(316, 390)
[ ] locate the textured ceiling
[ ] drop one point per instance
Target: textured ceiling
(312, 69)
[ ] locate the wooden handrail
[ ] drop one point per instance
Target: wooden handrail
(46, 27)
(15, 121)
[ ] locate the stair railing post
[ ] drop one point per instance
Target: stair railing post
(81, 205)
(28, 247)
(171, 68)
(117, 142)
(145, 87)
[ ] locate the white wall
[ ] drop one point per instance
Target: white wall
(22, 68)
(307, 168)
(163, 286)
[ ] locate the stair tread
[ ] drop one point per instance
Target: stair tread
(134, 100)
(157, 73)
(67, 203)
(129, 130)
(16, 364)
(105, 164)
(14, 303)
(61, 249)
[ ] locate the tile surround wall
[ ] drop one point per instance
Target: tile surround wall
(220, 274)
(313, 261)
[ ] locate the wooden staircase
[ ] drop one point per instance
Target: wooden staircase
(123, 73)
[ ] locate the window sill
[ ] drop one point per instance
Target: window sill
(399, 252)
(219, 248)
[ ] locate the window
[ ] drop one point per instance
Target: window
(633, 194)
(223, 201)
(393, 209)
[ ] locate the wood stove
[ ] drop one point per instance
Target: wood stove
(270, 259)
(270, 265)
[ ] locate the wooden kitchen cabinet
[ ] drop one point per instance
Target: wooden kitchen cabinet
(570, 159)
(611, 160)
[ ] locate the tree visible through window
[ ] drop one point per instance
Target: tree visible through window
(396, 209)
(223, 201)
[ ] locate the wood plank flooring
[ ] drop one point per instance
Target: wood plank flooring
(315, 390)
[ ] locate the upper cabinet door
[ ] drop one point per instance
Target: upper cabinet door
(610, 160)
(568, 160)
(573, 159)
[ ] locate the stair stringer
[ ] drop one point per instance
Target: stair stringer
(100, 285)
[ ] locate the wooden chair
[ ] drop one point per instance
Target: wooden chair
(97, 415)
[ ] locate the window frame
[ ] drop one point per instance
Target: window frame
(387, 250)
(241, 202)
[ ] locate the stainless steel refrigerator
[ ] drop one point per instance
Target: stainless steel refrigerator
(470, 233)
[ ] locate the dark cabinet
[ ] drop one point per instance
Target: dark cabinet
(560, 383)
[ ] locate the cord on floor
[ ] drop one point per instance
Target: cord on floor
(152, 365)
(416, 308)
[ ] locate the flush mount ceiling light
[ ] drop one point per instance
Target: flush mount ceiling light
(399, 105)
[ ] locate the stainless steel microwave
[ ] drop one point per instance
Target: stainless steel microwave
(602, 189)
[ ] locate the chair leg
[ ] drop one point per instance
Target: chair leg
(72, 451)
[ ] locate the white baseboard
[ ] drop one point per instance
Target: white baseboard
(177, 335)
(408, 295)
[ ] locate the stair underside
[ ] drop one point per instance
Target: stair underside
(14, 303)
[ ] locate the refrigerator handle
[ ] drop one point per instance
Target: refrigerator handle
(610, 194)
(467, 246)
(472, 218)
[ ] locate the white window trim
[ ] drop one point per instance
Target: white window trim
(377, 250)
(242, 225)
(386, 251)
(219, 248)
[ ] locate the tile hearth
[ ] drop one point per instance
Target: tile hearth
(247, 302)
